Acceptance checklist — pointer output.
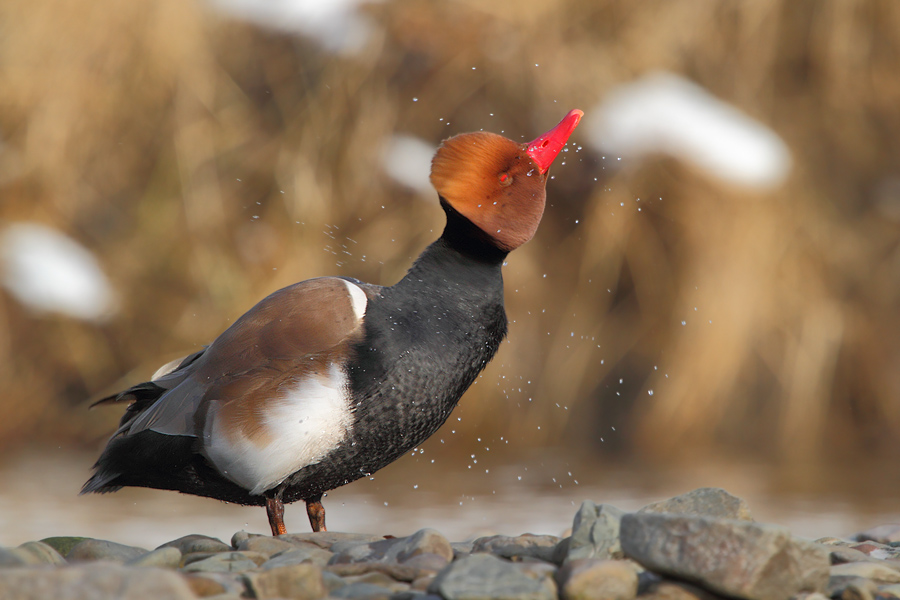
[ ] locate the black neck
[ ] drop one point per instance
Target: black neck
(465, 237)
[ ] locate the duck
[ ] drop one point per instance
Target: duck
(330, 379)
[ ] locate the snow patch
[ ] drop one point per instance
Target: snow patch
(51, 273)
(665, 113)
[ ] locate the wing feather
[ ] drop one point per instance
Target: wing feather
(276, 336)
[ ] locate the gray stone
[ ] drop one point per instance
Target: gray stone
(876, 550)
(841, 554)
(884, 534)
(703, 502)
(196, 556)
(208, 583)
(399, 550)
(483, 576)
(679, 590)
(197, 543)
(421, 584)
(267, 545)
(303, 582)
(12, 557)
(400, 572)
(93, 581)
(541, 547)
(868, 570)
(892, 590)
(850, 587)
(161, 557)
(91, 549)
(832, 541)
(597, 579)
(63, 544)
(224, 562)
(40, 553)
(427, 562)
(378, 578)
(362, 590)
(299, 555)
(204, 586)
(595, 532)
(736, 558)
(332, 581)
(240, 536)
(327, 539)
(866, 590)
(461, 549)
(562, 550)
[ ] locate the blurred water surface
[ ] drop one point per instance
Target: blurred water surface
(39, 498)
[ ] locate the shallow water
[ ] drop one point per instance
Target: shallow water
(39, 498)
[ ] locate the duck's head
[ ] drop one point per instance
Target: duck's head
(498, 184)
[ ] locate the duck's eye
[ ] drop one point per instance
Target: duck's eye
(505, 179)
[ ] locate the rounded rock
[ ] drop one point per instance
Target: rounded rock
(597, 579)
(91, 549)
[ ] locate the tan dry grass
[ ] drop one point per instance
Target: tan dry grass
(154, 132)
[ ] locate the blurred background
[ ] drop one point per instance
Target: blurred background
(712, 297)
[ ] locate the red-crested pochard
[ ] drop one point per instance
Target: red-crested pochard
(331, 379)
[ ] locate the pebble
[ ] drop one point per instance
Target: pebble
(269, 546)
(541, 547)
(40, 553)
(597, 579)
(294, 581)
(704, 502)
(11, 557)
(168, 556)
(595, 532)
(327, 539)
(841, 555)
(91, 549)
(679, 590)
(92, 581)
(867, 570)
(226, 562)
(399, 550)
(63, 544)
(313, 555)
(486, 576)
(197, 543)
(726, 556)
(884, 534)
(850, 587)
(704, 537)
(370, 591)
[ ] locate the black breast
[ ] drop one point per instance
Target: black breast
(426, 340)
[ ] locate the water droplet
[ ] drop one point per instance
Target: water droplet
(649, 392)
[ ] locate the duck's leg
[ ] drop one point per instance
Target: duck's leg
(275, 511)
(316, 513)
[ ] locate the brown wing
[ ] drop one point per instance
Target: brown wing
(272, 341)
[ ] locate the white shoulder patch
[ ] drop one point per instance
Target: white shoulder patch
(357, 298)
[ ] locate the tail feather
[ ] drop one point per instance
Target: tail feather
(100, 483)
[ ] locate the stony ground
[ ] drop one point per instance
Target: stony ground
(701, 545)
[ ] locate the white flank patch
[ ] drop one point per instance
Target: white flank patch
(665, 113)
(357, 298)
(50, 272)
(304, 425)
